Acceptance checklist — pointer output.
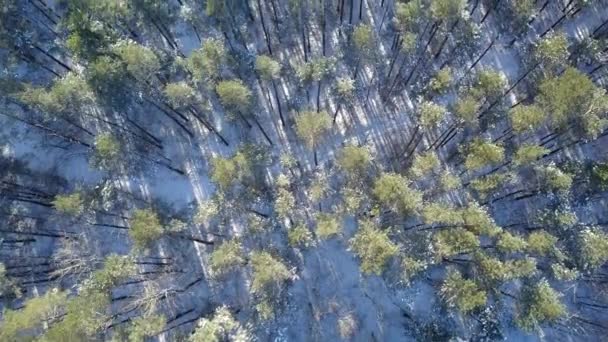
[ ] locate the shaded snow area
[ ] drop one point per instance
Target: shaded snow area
(327, 297)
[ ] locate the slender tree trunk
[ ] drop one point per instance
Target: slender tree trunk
(264, 26)
(276, 95)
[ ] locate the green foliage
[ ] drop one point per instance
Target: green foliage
(447, 9)
(448, 242)
(521, 268)
(593, 248)
(438, 213)
(180, 94)
(226, 172)
(409, 41)
(373, 247)
(116, 268)
(600, 175)
(315, 70)
(145, 228)
(552, 178)
(310, 126)
(466, 110)
(526, 118)
(491, 269)
(424, 164)
(267, 271)
(449, 181)
(147, 326)
(34, 313)
(462, 294)
(345, 88)
(107, 151)
(523, 9)
(481, 153)
(318, 188)
(206, 62)
(363, 38)
(486, 184)
(207, 210)
(108, 78)
(561, 272)
(442, 80)
(68, 95)
(267, 68)
(221, 327)
(284, 203)
(477, 220)
(541, 243)
(299, 236)
(353, 197)
(86, 315)
(354, 160)
(411, 267)
(509, 243)
(234, 95)
(226, 257)
(393, 191)
(490, 84)
(540, 304)
(328, 226)
(140, 61)
(69, 204)
(552, 51)
(572, 96)
(431, 114)
(408, 13)
(528, 153)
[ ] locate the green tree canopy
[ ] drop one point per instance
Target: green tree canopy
(354, 160)
(393, 191)
(234, 94)
(431, 114)
(524, 118)
(373, 247)
(310, 126)
(145, 228)
(528, 153)
(540, 304)
(268, 271)
(593, 248)
(140, 61)
(462, 294)
(226, 257)
(107, 151)
(69, 204)
(180, 94)
(552, 51)
(572, 97)
(267, 68)
(481, 153)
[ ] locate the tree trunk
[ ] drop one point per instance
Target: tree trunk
(263, 26)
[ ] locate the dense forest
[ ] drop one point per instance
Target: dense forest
(303, 170)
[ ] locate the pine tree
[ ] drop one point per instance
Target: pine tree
(226, 257)
(431, 114)
(481, 153)
(462, 294)
(234, 95)
(540, 304)
(393, 191)
(145, 228)
(70, 204)
(373, 247)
